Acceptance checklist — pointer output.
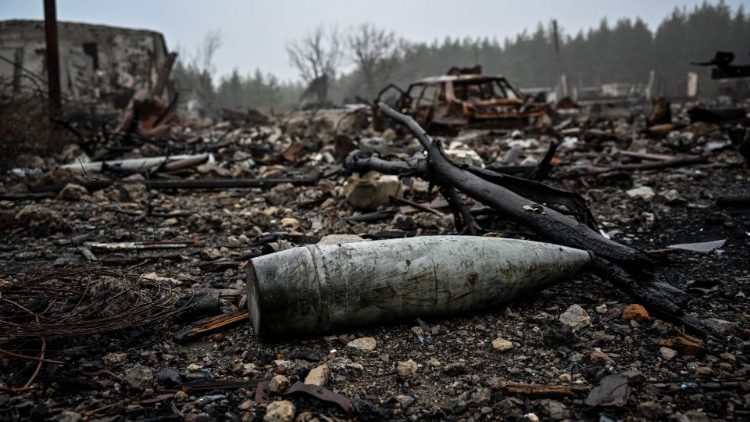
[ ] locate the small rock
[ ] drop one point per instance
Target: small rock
(691, 416)
(728, 357)
(531, 417)
(199, 417)
(704, 371)
(502, 345)
(643, 192)
(278, 384)
(407, 368)
(673, 197)
(650, 410)
(318, 375)
(634, 376)
(194, 367)
(601, 309)
(575, 317)
(233, 242)
(554, 409)
(139, 377)
(433, 363)
(73, 192)
(612, 390)
(133, 409)
(365, 344)
(404, 401)
(599, 357)
(481, 396)
(667, 353)
(456, 368)
(35, 216)
(306, 417)
(635, 312)
(180, 395)
(114, 358)
(372, 190)
(280, 411)
(168, 376)
(389, 135)
(455, 406)
(289, 223)
(720, 325)
(282, 366)
(67, 416)
(246, 405)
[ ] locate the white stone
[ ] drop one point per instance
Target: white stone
(365, 344)
(502, 345)
(407, 368)
(667, 353)
(280, 411)
(278, 384)
(643, 192)
(318, 375)
(575, 317)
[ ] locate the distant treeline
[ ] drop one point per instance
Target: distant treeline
(621, 52)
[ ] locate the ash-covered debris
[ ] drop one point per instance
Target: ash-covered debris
(279, 184)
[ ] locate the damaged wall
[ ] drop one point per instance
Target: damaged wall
(97, 62)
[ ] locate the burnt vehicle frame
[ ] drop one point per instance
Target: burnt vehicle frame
(459, 100)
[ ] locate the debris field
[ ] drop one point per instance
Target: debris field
(123, 283)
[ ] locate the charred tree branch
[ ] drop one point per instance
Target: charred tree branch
(626, 268)
(546, 221)
(465, 222)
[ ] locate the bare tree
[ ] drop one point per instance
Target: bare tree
(375, 52)
(203, 64)
(196, 72)
(319, 53)
(204, 54)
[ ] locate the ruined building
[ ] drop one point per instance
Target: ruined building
(98, 63)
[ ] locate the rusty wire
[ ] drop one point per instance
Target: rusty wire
(63, 303)
(70, 303)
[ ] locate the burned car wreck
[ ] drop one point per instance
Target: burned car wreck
(460, 99)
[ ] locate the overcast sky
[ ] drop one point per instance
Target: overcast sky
(254, 33)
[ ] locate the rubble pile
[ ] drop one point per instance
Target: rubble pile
(178, 219)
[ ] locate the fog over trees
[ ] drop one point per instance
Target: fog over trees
(360, 60)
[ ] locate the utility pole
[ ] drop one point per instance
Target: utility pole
(53, 56)
(560, 72)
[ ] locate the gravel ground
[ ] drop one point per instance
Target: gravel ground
(456, 368)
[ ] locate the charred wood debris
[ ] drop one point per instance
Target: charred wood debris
(125, 258)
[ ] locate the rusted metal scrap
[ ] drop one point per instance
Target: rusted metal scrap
(74, 303)
(541, 389)
(463, 98)
(685, 344)
(210, 324)
(86, 301)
